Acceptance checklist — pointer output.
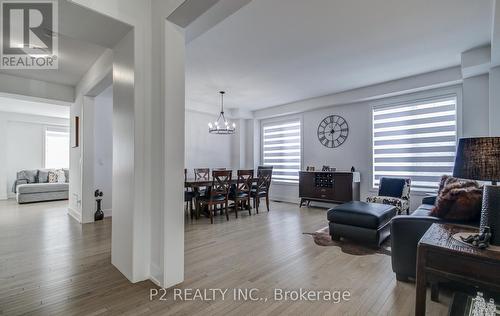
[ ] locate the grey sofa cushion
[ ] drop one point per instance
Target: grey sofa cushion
(42, 187)
(30, 175)
(43, 175)
(66, 174)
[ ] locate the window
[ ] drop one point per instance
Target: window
(56, 148)
(415, 140)
(281, 148)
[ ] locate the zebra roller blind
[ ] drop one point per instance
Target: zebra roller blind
(281, 148)
(416, 141)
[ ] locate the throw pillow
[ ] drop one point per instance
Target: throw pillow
(61, 176)
(43, 176)
(52, 176)
(458, 199)
(31, 176)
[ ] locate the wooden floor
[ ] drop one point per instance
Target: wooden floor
(51, 265)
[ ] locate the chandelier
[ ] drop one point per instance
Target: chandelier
(221, 125)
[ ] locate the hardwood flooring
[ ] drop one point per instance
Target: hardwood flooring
(51, 265)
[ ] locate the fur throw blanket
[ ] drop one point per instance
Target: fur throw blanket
(458, 199)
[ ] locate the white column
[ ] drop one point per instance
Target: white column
(3, 158)
(494, 111)
(174, 98)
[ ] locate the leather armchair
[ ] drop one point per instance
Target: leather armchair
(406, 232)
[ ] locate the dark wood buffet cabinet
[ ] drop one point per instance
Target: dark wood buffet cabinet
(330, 187)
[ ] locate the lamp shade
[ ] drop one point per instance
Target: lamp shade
(478, 158)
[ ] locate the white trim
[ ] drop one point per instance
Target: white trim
(75, 215)
(108, 212)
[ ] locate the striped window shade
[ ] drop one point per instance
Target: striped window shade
(416, 141)
(281, 148)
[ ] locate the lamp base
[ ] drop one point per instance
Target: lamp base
(490, 213)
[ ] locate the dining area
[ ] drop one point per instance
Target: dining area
(219, 191)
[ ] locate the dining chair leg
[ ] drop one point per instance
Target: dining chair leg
(211, 215)
(247, 202)
(257, 202)
(236, 208)
(227, 211)
(267, 202)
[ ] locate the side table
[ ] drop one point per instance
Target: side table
(442, 257)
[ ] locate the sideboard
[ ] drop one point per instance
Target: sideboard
(330, 187)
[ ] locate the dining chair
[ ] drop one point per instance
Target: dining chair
(188, 198)
(218, 193)
(262, 188)
(202, 174)
(264, 167)
(240, 193)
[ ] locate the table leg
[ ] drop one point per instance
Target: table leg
(421, 286)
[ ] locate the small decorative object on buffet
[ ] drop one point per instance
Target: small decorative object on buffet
(481, 240)
(99, 214)
(310, 168)
(353, 169)
(325, 168)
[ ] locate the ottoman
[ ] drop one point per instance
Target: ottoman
(361, 221)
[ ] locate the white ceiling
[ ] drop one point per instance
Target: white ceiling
(83, 37)
(273, 52)
(16, 105)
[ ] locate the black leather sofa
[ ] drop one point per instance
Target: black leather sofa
(406, 231)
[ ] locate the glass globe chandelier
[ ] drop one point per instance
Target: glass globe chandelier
(221, 125)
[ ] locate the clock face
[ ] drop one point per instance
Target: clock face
(333, 131)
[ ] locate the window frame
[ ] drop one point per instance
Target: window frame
(282, 120)
(410, 98)
(55, 128)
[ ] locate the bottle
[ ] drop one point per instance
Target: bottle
(491, 308)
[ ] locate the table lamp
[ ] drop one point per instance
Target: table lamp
(478, 158)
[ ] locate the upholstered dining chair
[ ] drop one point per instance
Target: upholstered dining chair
(188, 197)
(202, 174)
(393, 191)
(218, 193)
(240, 193)
(261, 190)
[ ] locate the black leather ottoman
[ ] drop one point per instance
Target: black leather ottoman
(361, 221)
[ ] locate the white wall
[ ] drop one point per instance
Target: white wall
(103, 147)
(357, 150)
(22, 140)
(81, 167)
(204, 150)
(476, 106)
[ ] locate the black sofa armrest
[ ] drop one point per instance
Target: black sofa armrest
(406, 232)
(430, 200)
(18, 182)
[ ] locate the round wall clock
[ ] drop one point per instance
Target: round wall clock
(333, 131)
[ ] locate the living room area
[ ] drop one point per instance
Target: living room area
(262, 157)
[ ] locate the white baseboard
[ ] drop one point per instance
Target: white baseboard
(155, 274)
(286, 199)
(75, 214)
(108, 212)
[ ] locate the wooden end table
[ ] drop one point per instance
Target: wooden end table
(440, 257)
